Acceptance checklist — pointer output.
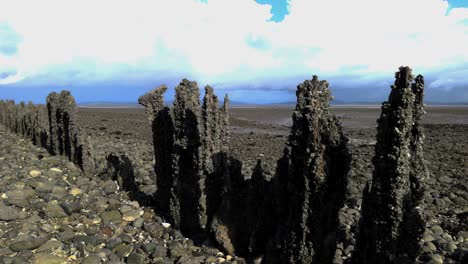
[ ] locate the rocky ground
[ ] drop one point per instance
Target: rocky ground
(50, 212)
(89, 217)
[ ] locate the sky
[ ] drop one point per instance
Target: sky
(256, 51)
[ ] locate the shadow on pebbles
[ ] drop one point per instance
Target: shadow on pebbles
(50, 212)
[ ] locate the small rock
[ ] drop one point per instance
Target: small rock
(428, 238)
(135, 258)
(49, 246)
(123, 250)
(444, 179)
(29, 244)
(111, 217)
(72, 207)
(54, 211)
(138, 223)
(131, 215)
(149, 247)
(92, 259)
(76, 191)
(56, 170)
(159, 252)
(34, 173)
(166, 225)
(126, 238)
(155, 230)
(437, 258)
(49, 259)
(110, 187)
(59, 191)
(176, 250)
(107, 230)
(429, 247)
(88, 240)
(8, 213)
(437, 230)
(66, 236)
(18, 198)
(43, 187)
(14, 260)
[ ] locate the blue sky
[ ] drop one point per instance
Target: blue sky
(256, 51)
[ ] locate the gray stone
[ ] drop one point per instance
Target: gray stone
(437, 230)
(159, 252)
(111, 217)
(71, 207)
(66, 236)
(135, 258)
(50, 246)
(149, 247)
(92, 259)
(18, 198)
(90, 240)
(54, 211)
(138, 223)
(154, 229)
(123, 250)
(437, 259)
(176, 250)
(29, 244)
(8, 213)
(49, 259)
(14, 260)
(429, 247)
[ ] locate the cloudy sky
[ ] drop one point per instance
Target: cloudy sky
(257, 51)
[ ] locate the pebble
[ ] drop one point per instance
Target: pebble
(18, 198)
(429, 247)
(138, 223)
(28, 244)
(428, 238)
(437, 258)
(88, 240)
(49, 246)
(155, 230)
(135, 258)
(55, 211)
(437, 230)
(123, 250)
(159, 252)
(49, 259)
(92, 259)
(132, 215)
(76, 191)
(8, 213)
(176, 250)
(71, 207)
(34, 173)
(111, 217)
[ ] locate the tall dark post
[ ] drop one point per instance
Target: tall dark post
(392, 209)
(311, 180)
(65, 137)
(52, 109)
(189, 145)
(162, 124)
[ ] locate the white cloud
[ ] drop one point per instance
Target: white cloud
(212, 41)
